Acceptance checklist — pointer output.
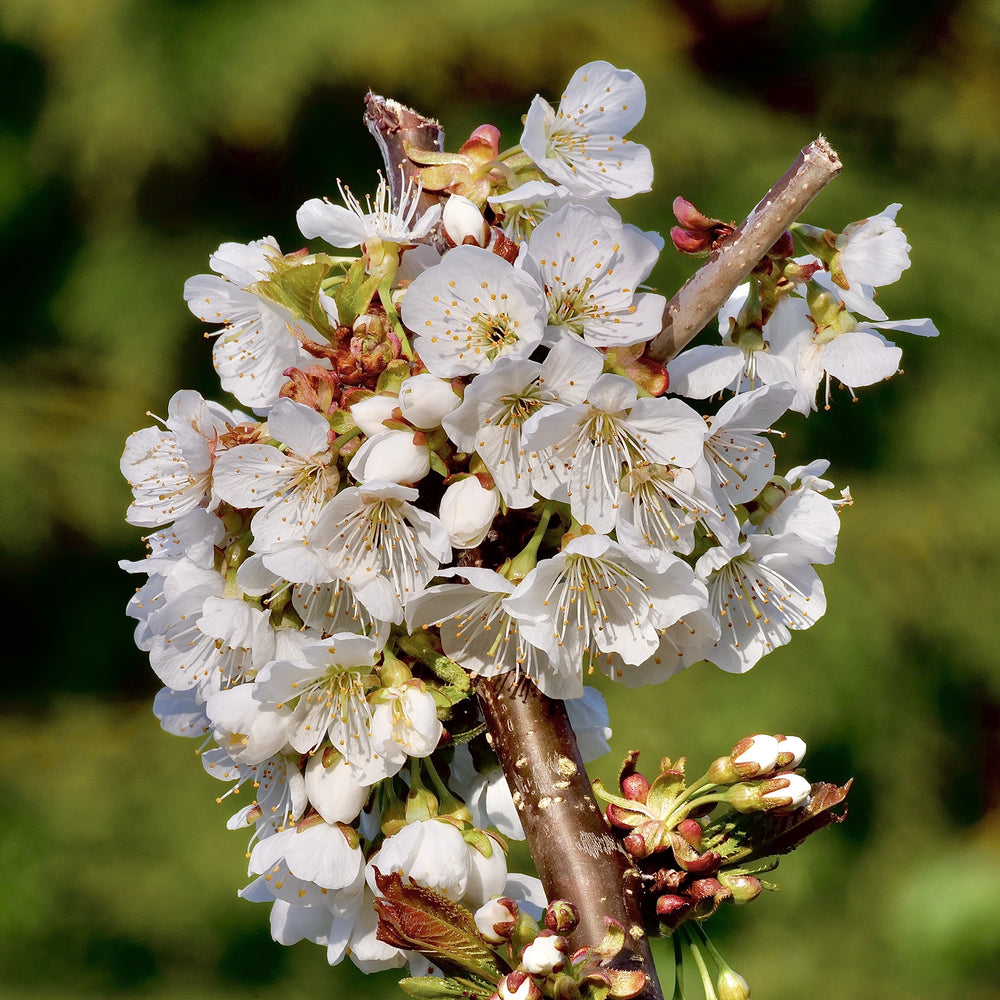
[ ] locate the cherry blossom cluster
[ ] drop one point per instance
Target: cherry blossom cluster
(455, 461)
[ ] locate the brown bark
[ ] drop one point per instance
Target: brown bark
(576, 856)
(706, 291)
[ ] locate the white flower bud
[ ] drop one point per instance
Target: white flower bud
(496, 918)
(546, 954)
(369, 413)
(791, 750)
(487, 875)
(517, 985)
(425, 400)
(467, 511)
(335, 791)
(462, 222)
(392, 456)
(786, 792)
(755, 756)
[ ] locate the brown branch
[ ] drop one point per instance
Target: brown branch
(704, 294)
(576, 857)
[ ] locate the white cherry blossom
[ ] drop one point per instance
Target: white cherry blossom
(757, 595)
(326, 689)
(498, 403)
(170, 468)
(257, 344)
(591, 267)
(592, 604)
(374, 539)
(582, 143)
(583, 451)
(741, 460)
(289, 485)
(471, 310)
(353, 226)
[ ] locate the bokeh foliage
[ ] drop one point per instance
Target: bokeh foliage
(135, 136)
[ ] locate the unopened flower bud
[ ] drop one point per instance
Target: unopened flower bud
(518, 985)
(334, 788)
(561, 916)
(546, 954)
(743, 887)
(672, 909)
(635, 844)
(689, 216)
(393, 456)
(467, 510)
(635, 787)
(783, 247)
(369, 413)
(791, 750)
(462, 222)
(755, 756)
(689, 242)
(425, 400)
(691, 831)
(787, 792)
(496, 919)
(732, 986)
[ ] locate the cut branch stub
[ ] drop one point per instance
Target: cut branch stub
(393, 126)
(576, 856)
(705, 293)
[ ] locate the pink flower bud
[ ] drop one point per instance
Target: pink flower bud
(561, 916)
(691, 831)
(672, 909)
(635, 787)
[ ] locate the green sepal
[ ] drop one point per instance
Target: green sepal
(356, 293)
(341, 422)
(437, 464)
(419, 645)
(667, 785)
(296, 287)
(629, 805)
(436, 988)
(448, 696)
(393, 375)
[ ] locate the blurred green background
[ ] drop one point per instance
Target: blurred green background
(136, 135)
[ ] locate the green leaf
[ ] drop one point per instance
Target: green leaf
(296, 286)
(436, 988)
(355, 295)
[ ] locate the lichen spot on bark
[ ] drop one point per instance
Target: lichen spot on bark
(565, 766)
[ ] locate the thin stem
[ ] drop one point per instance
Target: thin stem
(699, 960)
(687, 313)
